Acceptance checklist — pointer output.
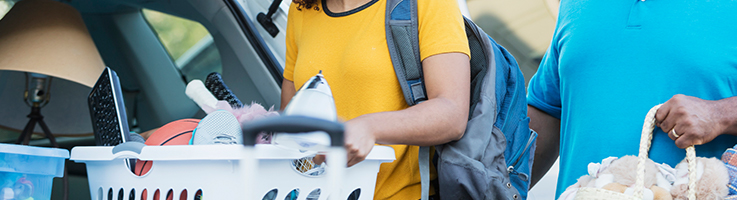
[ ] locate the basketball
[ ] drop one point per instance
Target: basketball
(178, 132)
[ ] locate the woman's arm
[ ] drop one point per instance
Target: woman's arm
(440, 119)
(287, 92)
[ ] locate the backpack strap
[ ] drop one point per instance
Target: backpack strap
(423, 158)
(404, 48)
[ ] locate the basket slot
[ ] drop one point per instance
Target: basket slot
(157, 194)
(198, 195)
(132, 194)
(183, 194)
(355, 195)
(121, 194)
(314, 195)
(292, 195)
(271, 195)
(170, 194)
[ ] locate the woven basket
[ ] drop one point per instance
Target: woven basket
(645, 141)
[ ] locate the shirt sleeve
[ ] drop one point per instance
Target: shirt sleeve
(441, 28)
(543, 91)
(293, 26)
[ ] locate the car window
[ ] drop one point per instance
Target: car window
(189, 44)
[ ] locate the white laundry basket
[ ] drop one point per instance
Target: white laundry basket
(223, 172)
(216, 170)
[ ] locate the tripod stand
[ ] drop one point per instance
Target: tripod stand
(39, 98)
(25, 136)
(35, 117)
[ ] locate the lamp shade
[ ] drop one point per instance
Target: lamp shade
(50, 38)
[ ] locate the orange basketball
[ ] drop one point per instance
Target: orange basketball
(173, 133)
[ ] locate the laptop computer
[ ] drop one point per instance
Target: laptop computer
(107, 110)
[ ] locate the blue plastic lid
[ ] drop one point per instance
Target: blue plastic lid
(34, 151)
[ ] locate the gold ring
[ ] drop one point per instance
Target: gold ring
(673, 131)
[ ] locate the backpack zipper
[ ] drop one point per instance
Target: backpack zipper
(510, 169)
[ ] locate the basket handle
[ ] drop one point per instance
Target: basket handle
(645, 141)
(135, 147)
(293, 124)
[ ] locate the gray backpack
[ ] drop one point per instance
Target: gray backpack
(493, 159)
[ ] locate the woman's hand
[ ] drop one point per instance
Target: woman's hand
(358, 143)
(359, 140)
(692, 121)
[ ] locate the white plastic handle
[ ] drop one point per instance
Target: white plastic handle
(197, 91)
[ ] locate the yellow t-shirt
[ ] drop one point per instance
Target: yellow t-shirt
(350, 48)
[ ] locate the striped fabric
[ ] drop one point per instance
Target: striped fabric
(730, 159)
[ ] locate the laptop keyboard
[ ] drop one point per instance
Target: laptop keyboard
(104, 113)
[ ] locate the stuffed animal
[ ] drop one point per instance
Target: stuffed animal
(619, 175)
(711, 179)
(624, 173)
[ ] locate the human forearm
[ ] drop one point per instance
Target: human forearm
(548, 142)
(727, 109)
(287, 92)
(432, 122)
(440, 119)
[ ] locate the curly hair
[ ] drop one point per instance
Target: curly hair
(307, 4)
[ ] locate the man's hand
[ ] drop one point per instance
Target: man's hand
(359, 140)
(693, 121)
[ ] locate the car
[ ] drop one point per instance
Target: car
(234, 44)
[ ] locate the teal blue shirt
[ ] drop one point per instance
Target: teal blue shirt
(610, 61)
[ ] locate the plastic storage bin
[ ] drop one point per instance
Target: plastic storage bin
(27, 172)
(220, 172)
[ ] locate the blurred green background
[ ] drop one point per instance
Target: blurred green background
(178, 35)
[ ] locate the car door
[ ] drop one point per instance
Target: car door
(252, 8)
